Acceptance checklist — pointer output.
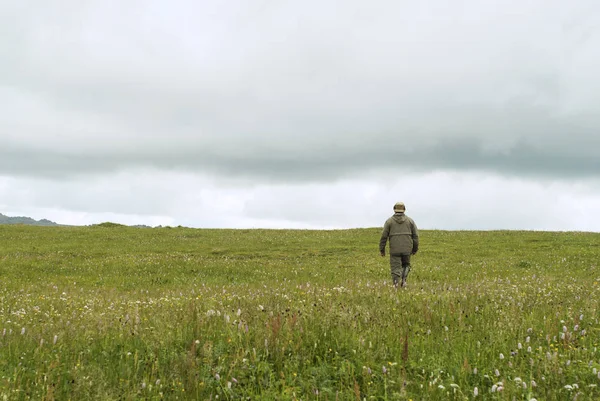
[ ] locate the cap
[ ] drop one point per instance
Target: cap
(399, 207)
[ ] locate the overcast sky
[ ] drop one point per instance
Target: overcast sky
(302, 114)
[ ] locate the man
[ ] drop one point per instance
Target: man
(403, 235)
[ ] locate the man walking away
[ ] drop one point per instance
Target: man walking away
(403, 235)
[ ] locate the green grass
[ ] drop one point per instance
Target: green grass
(117, 313)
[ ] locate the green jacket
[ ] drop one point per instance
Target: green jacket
(402, 233)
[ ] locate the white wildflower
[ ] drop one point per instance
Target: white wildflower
(475, 392)
(501, 355)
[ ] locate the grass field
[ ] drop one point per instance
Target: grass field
(117, 313)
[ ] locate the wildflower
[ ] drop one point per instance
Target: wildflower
(143, 385)
(528, 339)
(494, 388)
(41, 342)
(55, 340)
(533, 384)
(564, 331)
(529, 349)
(568, 362)
(475, 392)
(229, 385)
(217, 377)
(501, 355)
(239, 312)
(580, 317)
(518, 380)
(384, 370)
(23, 331)
(441, 387)
(520, 346)
(568, 387)
(576, 328)
(233, 379)
(497, 372)
(594, 370)
(474, 371)
(157, 382)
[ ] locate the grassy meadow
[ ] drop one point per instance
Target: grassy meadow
(119, 313)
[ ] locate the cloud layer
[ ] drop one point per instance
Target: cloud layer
(301, 91)
(272, 113)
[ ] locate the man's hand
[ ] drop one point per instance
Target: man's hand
(414, 252)
(382, 253)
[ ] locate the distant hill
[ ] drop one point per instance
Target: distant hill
(25, 220)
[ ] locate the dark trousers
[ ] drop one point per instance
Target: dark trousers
(400, 267)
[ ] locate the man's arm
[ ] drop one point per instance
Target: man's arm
(384, 237)
(415, 237)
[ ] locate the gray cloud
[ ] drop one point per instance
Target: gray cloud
(310, 114)
(300, 91)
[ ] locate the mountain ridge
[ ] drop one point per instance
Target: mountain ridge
(25, 221)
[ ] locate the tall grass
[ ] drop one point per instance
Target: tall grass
(117, 313)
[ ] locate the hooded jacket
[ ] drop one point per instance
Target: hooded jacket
(402, 233)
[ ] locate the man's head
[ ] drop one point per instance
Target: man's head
(399, 207)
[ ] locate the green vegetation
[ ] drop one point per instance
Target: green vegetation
(117, 313)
